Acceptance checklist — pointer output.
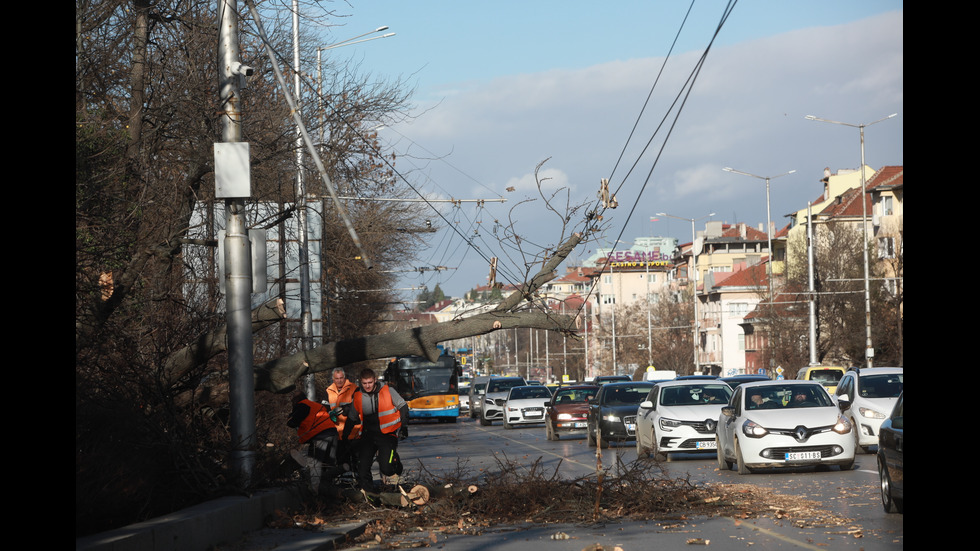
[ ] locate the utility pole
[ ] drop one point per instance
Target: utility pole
(238, 262)
(306, 314)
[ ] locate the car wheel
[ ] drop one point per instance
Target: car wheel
(847, 466)
(891, 504)
(723, 464)
(590, 437)
(858, 448)
(484, 421)
(742, 467)
(549, 431)
(641, 450)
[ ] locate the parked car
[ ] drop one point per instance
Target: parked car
(525, 404)
(736, 380)
(695, 377)
(891, 459)
(464, 397)
(783, 423)
(612, 415)
(828, 376)
(492, 405)
(478, 387)
(603, 379)
(568, 410)
(680, 416)
(872, 393)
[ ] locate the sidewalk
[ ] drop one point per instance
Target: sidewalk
(226, 524)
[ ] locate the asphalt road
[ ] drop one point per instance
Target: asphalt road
(468, 445)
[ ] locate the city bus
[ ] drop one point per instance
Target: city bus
(430, 388)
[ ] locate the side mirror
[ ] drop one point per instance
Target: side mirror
(646, 404)
(728, 411)
(844, 402)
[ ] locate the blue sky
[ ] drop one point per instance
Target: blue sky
(501, 86)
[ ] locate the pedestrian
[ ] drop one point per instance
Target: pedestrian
(315, 428)
(383, 417)
(340, 395)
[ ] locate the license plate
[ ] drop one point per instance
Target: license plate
(631, 427)
(581, 425)
(793, 456)
(707, 445)
(534, 414)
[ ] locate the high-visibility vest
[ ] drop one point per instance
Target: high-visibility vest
(389, 418)
(343, 395)
(316, 421)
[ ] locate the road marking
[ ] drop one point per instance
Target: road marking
(544, 451)
(776, 535)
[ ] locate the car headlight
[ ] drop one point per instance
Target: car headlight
(612, 418)
(669, 424)
(843, 425)
(753, 429)
(870, 413)
(513, 409)
(564, 416)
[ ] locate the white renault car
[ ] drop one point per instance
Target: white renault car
(783, 424)
(872, 393)
(680, 416)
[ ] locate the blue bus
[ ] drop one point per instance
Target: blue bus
(430, 388)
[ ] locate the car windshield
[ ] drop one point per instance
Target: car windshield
(625, 395)
(786, 397)
(523, 393)
(881, 386)
(503, 385)
(826, 377)
(575, 395)
(695, 395)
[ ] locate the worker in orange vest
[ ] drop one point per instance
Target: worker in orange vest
(383, 417)
(315, 428)
(340, 395)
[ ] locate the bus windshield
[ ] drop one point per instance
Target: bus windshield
(414, 377)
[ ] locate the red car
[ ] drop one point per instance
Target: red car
(567, 411)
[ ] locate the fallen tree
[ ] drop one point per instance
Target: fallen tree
(279, 375)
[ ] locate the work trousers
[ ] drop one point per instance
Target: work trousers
(382, 446)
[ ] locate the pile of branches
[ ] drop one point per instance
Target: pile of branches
(521, 493)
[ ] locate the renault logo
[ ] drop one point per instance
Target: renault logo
(801, 433)
(710, 425)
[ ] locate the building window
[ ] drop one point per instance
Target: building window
(738, 309)
(886, 247)
(741, 343)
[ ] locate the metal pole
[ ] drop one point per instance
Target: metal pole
(694, 295)
(238, 263)
(812, 301)
(649, 327)
(612, 283)
(306, 315)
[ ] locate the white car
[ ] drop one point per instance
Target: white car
(494, 397)
(783, 424)
(872, 393)
(526, 405)
(680, 416)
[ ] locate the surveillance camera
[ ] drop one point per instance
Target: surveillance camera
(244, 70)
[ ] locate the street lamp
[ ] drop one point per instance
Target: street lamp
(768, 219)
(869, 351)
(694, 281)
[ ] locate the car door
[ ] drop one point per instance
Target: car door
(728, 423)
(646, 433)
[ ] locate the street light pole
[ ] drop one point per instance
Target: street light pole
(694, 283)
(768, 220)
(869, 351)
